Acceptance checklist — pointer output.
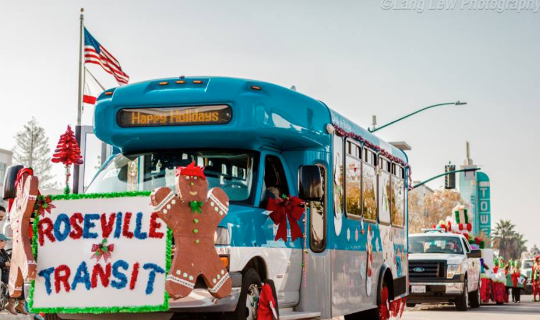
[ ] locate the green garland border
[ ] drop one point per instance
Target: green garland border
(100, 310)
(100, 195)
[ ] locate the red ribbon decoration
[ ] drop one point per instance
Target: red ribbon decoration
(43, 204)
(102, 250)
(291, 208)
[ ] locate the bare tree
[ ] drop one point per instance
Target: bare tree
(32, 151)
(434, 208)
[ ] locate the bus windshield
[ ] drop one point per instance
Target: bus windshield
(231, 171)
(435, 244)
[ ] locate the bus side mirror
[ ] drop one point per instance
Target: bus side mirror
(310, 183)
(9, 181)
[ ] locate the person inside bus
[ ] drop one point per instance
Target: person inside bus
(275, 183)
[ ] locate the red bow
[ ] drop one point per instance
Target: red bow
(102, 250)
(43, 204)
(287, 207)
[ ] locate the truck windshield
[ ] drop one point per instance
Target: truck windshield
(435, 244)
(231, 171)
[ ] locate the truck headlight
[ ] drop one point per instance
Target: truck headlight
(452, 270)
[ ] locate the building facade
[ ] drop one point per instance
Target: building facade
(6, 158)
(475, 190)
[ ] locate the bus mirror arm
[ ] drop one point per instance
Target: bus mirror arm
(310, 182)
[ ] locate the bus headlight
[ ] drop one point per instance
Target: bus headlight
(452, 270)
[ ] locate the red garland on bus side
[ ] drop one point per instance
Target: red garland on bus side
(342, 132)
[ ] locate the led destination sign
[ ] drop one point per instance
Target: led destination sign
(174, 116)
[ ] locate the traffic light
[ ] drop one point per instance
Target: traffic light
(450, 179)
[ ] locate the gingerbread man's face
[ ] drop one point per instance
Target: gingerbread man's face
(192, 188)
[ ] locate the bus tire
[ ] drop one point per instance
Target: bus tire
(251, 282)
(462, 301)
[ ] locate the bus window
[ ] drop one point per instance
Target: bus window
(398, 198)
(369, 187)
(352, 192)
(148, 171)
(338, 175)
(317, 218)
(385, 192)
(275, 181)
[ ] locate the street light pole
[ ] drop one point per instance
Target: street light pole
(458, 103)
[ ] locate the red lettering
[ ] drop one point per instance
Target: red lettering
(107, 227)
(45, 228)
(154, 225)
(134, 276)
(64, 278)
(104, 275)
(76, 230)
(125, 229)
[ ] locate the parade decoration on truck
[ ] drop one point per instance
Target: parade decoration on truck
(459, 222)
(23, 264)
(83, 228)
(193, 216)
(67, 152)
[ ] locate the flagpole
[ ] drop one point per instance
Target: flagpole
(76, 170)
(81, 70)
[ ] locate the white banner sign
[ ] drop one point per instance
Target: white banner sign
(101, 255)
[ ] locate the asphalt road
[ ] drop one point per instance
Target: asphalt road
(523, 311)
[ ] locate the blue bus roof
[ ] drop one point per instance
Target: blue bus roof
(264, 115)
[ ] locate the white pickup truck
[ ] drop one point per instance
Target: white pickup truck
(443, 269)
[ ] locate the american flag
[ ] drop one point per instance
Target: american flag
(95, 53)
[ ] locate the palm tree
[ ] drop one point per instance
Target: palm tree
(503, 237)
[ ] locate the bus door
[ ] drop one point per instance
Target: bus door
(284, 259)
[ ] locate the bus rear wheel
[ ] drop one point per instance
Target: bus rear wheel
(246, 309)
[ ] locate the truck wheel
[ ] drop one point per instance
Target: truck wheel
(462, 301)
(246, 309)
(474, 299)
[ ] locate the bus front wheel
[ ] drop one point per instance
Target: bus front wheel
(246, 309)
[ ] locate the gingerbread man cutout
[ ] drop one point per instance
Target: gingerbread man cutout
(193, 215)
(23, 265)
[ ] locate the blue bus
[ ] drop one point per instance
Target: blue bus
(258, 140)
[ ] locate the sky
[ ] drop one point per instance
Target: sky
(359, 57)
